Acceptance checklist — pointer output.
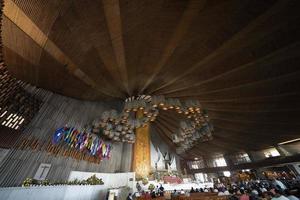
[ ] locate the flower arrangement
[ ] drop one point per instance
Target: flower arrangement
(93, 180)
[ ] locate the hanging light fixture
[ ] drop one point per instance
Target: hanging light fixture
(120, 126)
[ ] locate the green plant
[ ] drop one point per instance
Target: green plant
(93, 180)
(27, 182)
(56, 183)
(45, 182)
(145, 181)
(83, 182)
(151, 187)
(76, 182)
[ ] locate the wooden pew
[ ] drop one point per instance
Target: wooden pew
(203, 194)
(201, 197)
(157, 198)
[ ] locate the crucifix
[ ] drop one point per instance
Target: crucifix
(43, 170)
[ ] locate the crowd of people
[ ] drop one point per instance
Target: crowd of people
(157, 192)
(256, 190)
(253, 190)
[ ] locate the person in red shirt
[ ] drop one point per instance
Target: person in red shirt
(147, 196)
(244, 195)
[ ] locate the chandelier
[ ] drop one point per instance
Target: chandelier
(139, 110)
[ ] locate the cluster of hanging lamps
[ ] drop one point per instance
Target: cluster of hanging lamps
(121, 126)
(189, 134)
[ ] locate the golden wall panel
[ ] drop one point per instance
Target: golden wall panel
(141, 155)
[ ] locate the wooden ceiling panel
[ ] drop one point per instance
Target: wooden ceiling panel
(256, 105)
(147, 27)
(42, 12)
(276, 64)
(279, 85)
(93, 67)
(16, 40)
(60, 80)
(240, 59)
(20, 67)
(212, 30)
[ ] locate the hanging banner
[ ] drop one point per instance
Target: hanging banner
(82, 141)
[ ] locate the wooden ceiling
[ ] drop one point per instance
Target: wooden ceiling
(239, 58)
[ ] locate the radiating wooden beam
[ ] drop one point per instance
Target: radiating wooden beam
(247, 99)
(114, 23)
(279, 55)
(22, 21)
(258, 132)
(284, 78)
(191, 11)
(287, 123)
(161, 131)
(164, 137)
(252, 111)
(227, 44)
(166, 119)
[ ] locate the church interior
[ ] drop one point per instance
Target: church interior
(150, 99)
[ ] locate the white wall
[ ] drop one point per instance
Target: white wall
(87, 192)
(111, 180)
(97, 192)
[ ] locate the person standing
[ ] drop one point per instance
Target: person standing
(279, 195)
(156, 190)
(277, 183)
(244, 195)
(161, 190)
(129, 197)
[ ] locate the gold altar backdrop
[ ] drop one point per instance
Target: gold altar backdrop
(141, 153)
